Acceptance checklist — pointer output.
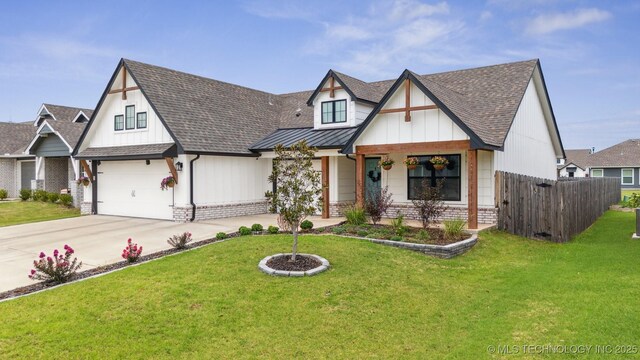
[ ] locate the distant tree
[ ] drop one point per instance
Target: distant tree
(297, 187)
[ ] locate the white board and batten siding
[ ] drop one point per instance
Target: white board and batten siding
(528, 147)
(357, 112)
(102, 133)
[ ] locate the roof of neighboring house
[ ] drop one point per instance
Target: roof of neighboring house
(65, 113)
(14, 137)
(624, 154)
(70, 131)
(578, 157)
(321, 138)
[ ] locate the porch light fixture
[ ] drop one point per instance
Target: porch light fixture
(148, 162)
(178, 166)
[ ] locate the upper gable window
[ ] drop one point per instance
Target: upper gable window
(141, 119)
(130, 117)
(334, 111)
(118, 122)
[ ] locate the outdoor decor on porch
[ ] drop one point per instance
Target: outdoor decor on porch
(386, 163)
(83, 180)
(167, 183)
(439, 162)
(411, 162)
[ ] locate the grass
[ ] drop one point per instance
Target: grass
(22, 212)
(375, 301)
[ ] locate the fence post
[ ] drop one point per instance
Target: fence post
(636, 235)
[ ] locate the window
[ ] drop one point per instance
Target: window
(451, 189)
(559, 161)
(118, 122)
(597, 173)
(130, 112)
(627, 176)
(334, 111)
(141, 119)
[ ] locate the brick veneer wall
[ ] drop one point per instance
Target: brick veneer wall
(85, 208)
(206, 212)
(8, 176)
(56, 174)
(77, 191)
(485, 215)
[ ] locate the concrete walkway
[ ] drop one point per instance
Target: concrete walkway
(99, 240)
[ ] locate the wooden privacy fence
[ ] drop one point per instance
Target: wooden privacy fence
(552, 210)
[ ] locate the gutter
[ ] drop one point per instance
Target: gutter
(193, 205)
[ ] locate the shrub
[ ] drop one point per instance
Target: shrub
(58, 268)
(355, 215)
(423, 235)
(40, 195)
(244, 231)
(180, 241)
(306, 225)
(132, 252)
(429, 202)
(633, 201)
(338, 230)
(257, 228)
(396, 238)
(53, 197)
(398, 225)
(377, 204)
(66, 199)
(25, 194)
(453, 228)
(221, 235)
(363, 233)
(3, 194)
(273, 229)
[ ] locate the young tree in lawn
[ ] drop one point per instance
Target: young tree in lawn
(297, 186)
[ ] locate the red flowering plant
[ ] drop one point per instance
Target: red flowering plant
(167, 183)
(58, 268)
(132, 252)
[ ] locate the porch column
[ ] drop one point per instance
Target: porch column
(472, 174)
(360, 180)
(325, 187)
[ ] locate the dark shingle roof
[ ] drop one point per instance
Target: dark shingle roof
(15, 137)
(115, 152)
(66, 113)
(626, 153)
(70, 131)
(579, 157)
(322, 139)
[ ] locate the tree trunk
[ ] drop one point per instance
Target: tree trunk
(294, 251)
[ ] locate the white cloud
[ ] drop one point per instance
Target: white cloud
(548, 23)
(348, 32)
(486, 15)
(411, 9)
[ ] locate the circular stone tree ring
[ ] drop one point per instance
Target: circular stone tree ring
(324, 265)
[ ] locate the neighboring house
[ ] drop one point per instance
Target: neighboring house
(621, 160)
(58, 129)
(17, 169)
(576, 163)
(217, 139)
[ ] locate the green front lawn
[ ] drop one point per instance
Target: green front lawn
(22, 212)
(375, 301)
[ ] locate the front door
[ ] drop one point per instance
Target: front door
(27, 173)
(372, 177)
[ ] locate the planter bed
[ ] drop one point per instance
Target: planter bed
(306, 265)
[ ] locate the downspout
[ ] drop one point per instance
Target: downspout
(193, 205)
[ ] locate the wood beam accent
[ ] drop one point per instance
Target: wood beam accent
(124, 88)
(332, 88)
(472, 174)
(87, 169)
(407, 100)
(413, 147)
(325, 187)
(414, 108)
(172, 168)
(360, 180)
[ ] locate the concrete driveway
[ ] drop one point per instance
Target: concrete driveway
(99, 240)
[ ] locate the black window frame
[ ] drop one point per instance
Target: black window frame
(333, 112)
(115, 122)
(126, 117)
(146, 120)
(459, 164)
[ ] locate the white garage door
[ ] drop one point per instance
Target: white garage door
(132, 188)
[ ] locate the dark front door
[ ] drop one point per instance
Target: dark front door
(372, 176)
(27, 173)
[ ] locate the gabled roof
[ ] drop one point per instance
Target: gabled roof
(624, 154)
(578, 157)
(60, 113)
(14, 138)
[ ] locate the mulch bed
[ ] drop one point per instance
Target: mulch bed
(302, 263)
(105, 268)
(386, 232)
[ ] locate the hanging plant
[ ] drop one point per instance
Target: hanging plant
(167, 183)
(83, 180)
(439, 162)
(411, 162)
(386, 163)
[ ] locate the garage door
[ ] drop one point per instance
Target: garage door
(132, 188)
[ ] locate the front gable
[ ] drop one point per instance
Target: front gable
(48, 142)
(119, 118)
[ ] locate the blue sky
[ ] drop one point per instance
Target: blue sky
(64, 52)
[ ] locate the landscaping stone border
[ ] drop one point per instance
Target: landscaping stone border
(270, 271)
(442, 251)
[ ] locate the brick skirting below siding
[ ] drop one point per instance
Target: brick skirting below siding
(85, 208)
(207, 212)
(485, 215)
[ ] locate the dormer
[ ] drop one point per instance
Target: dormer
(81, 117)
(43, 114)
(335, 105)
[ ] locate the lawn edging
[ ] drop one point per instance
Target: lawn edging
(441, 251)
(270, 271)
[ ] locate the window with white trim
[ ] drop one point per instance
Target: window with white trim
(597, 173)
(627, 176)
